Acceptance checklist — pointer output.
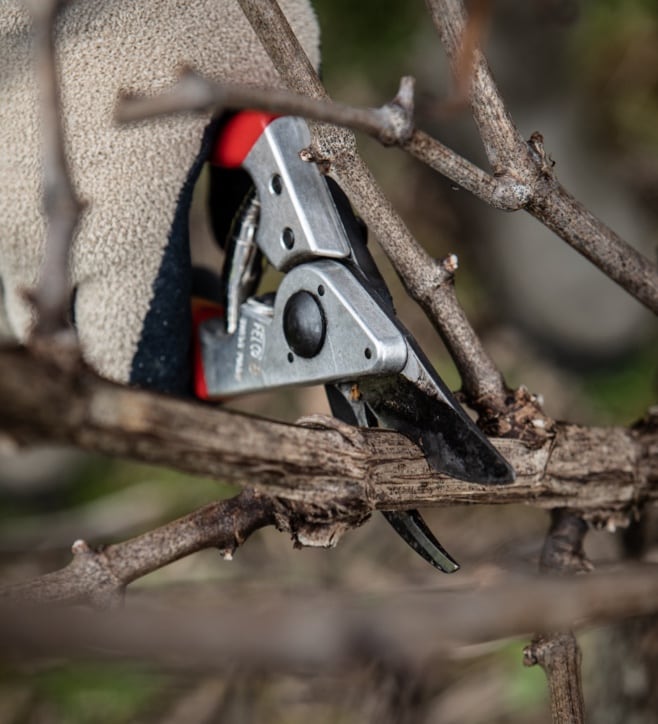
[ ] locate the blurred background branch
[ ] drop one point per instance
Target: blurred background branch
(320, 629)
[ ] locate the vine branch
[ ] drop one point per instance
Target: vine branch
(605, 473)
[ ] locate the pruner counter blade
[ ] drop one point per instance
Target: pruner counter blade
(411, 527)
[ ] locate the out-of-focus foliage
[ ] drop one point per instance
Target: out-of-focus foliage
(615, 58)
(622, 393)
(98, 694)
(371, 38)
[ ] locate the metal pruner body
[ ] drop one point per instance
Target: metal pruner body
(331, 320)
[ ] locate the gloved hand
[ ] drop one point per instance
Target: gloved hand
(130, 264)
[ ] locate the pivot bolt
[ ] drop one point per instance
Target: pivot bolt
(304, 324)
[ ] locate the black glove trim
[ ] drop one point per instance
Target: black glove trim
(162, 360)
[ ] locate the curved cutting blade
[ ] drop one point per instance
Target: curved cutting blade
(426, 412)
(409, 524)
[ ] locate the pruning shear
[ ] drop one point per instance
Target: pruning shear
(331, 320)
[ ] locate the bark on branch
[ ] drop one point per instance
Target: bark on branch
(604, 473)
(560, 657)
(390, 124)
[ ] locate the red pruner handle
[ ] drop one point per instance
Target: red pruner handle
(202, 311)
(238, 137)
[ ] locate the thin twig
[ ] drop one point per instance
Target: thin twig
(460, 171)
(503, 143)
(560, 657)
(52, 296)
(563, 550)
(390, 124)
(283, 47)
(113, 515)
(100, 576)
(467, 54)
(557, 209)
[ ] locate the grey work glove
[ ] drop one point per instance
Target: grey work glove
(130, 265)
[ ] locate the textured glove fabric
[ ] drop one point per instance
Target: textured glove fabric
(130, 264)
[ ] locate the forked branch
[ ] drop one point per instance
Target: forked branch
(526, 169)
(100, 576)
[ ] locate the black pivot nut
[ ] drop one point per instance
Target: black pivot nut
(304, 324)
